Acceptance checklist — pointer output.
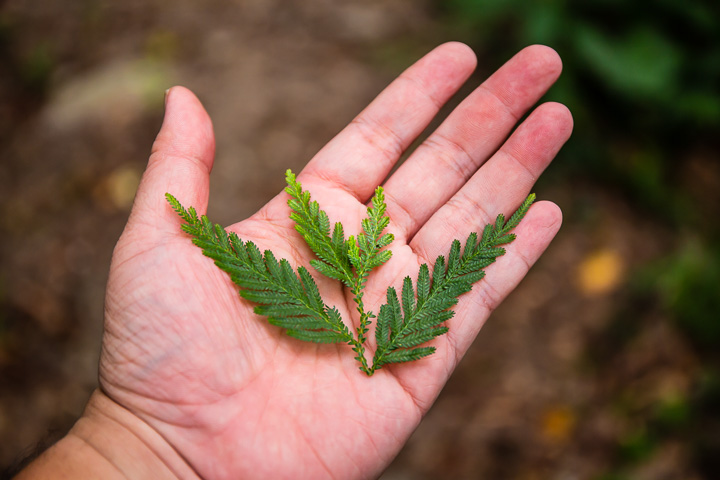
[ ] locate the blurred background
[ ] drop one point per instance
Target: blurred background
(604, 364)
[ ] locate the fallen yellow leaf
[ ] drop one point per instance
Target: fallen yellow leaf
(600, 272)
(558, 423)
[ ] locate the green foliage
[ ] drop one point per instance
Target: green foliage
(349, 261)
(313, 224)
(416, 318)
(637, 445)
(291, 300)
(685, 283)
(641, 79)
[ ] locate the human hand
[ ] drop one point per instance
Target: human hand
(214, 390)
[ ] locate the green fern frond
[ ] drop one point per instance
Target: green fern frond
(314, 225)
(403, 325)
(289, 300)
(370, 243)
(349, 261)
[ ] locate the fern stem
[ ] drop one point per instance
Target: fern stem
(452, 276)
(363, 326)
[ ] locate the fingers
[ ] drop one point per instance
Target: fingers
(359, 158)
(501, 184)
(470, 134)
(180, 162)
(534, 234)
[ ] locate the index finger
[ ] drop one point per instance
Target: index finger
(359, 158)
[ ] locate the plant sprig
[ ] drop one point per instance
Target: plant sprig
(349, 261)
(418, 317)
(291, 300)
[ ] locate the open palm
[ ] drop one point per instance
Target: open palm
(229, 392)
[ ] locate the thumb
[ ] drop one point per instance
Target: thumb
(180, 163)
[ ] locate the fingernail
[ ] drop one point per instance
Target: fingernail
(167, 94)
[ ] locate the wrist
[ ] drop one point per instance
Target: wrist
(110, 442)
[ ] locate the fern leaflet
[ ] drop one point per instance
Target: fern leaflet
(405, 324)
(349, 261)
(313, 224)
(289, 300)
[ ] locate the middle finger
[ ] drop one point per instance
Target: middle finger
(471, 134)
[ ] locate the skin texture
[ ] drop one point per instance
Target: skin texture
(216, 392)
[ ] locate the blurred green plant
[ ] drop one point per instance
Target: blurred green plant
(30, 67)
(36, 68)
(641, 79)
(690, 287)
(637, 445)
(681, 289)
(672, 412)
(686, 284)
(24, 77)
